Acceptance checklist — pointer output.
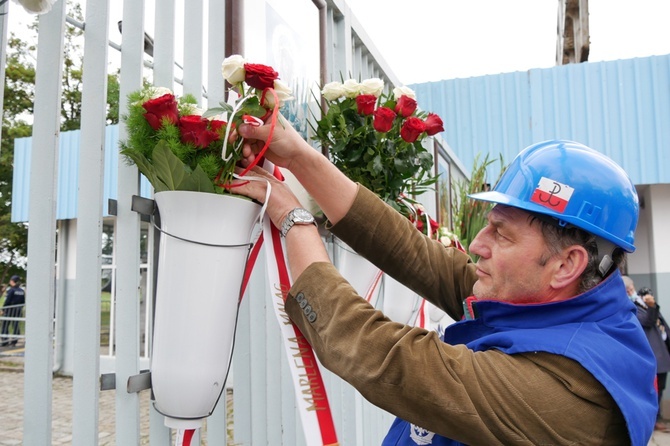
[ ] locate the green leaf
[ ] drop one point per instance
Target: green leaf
(215, 111)
(197, 181)
(252, 109)
(146, 168)
(169, 169)
(377, 165)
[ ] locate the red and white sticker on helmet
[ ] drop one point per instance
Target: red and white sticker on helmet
(552, 194)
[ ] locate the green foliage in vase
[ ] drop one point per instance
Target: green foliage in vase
(470, 215)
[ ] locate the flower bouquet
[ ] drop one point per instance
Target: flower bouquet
(178, 146)
(206, 231)
(375, 138)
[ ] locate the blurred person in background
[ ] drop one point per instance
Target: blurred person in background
(15, 299)
(656, 330)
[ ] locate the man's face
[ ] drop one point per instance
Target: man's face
(513, 259)
(630, 290)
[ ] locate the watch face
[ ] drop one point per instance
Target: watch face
(302, 216)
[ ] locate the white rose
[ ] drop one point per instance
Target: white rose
(157, 92)
(283, 94)
(445, 236)
(332, 91)
(220, 117)
(36, 6)
(232, 69)
(351, 88)
(373, 86)
(403, 91)
(153, 93)
(192, 109)
(446, 241)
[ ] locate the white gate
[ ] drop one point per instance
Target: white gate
(264, 407)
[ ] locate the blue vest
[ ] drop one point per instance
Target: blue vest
(599, 329)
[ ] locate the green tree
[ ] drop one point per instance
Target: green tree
(19, 96)
(17, 108)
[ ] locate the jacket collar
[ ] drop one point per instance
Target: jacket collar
(604, 300)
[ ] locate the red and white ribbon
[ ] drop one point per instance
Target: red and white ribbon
(310, 390)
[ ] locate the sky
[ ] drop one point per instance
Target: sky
(432, 40)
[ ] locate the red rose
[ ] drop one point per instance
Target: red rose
(366, 103)
(383, 119)
(433, 124)
(405, 106)
(194, 129)
(260, 76)
(419, 225)
(216, 125)
(161, 109)
(412, 128)
(434, 226)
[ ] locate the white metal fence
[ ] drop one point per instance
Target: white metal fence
(264, 408)
(11, 320)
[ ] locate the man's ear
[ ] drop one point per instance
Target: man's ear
(569, 266)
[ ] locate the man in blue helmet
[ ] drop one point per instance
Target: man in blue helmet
(547, 349)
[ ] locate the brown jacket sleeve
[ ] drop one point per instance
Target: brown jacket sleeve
(478, 398)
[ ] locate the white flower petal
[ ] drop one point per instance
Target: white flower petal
(232, 69)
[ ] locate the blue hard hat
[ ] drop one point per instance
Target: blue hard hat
(574, 184)
(15, 279)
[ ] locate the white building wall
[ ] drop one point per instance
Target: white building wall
(649, 265)
(659, 240)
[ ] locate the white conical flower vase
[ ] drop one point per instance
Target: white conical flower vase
(400, 303)
(358, 271)
(197, 297)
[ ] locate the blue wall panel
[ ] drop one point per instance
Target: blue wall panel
(621, 108)
(68, 174)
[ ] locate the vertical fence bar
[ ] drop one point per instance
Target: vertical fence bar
(4, 13)
(216, 52)
(217, 422)
(89, 226)
(193, 48)
(164, 45)
(42, 232)
(163, 76)
(128, 237)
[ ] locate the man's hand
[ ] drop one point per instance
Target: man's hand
(649, 300)
(286, 146)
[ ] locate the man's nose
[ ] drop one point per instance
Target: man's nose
(478, 245)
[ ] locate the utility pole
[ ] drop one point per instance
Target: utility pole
(572, 43)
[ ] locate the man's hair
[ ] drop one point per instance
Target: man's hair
(558, 238)
(628, 282)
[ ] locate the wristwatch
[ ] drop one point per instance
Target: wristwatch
(297, 216)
